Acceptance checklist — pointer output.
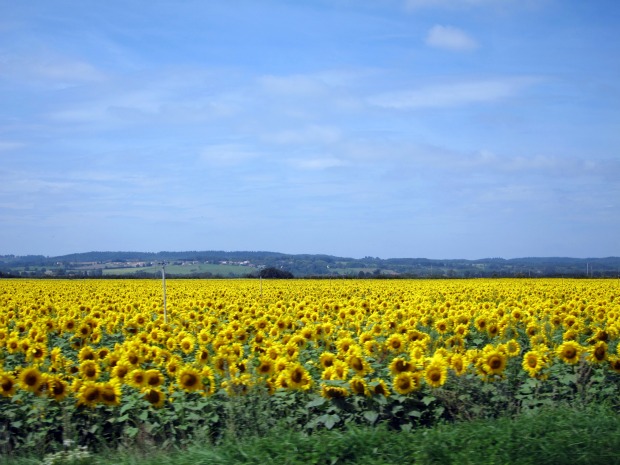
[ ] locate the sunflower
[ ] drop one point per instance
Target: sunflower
(132, 356)
(89, 394)
(208, 380)
(90, 370)
(83, 331)
(189, 379)
(406, 382)
(297, 377)
(120, 370)
(86, 353)
(395, 343)
(493, 328)
(265, 367)
(333, 392)
(533, 362)
(202, 356)
(154, 396)
(110, 393)
(238, 385)
(173, 365)
(136, 378)
(57, 387)
(598, 353)
(221, 364)
(436, 373)
(12, 345)
(327, 359)
(30, 379)
(569, 351)
(513, 348)
(37, 353)
(358, 386)
(8, 384)
(280, 365)
(614, 362)
(481, 323)
(443, 325)
(461, 330)
(400, 365)
(372, 348)
(492, 361)
(153, 378)
(458, 364)
(358, 364)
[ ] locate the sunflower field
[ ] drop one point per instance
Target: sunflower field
(100, 363)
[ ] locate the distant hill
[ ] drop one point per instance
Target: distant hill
(249, 263)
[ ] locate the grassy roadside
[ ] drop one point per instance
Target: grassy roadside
(550, 436)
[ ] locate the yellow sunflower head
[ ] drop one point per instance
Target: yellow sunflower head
(189, 379)
(436, 373)
(8, 384)
(400, 365)
(358, 386)
(30, 379)
(333, 392)
(153, 378)
(154, 396)
(406, 382)
(569, 352)
(89, 394)
(57, 387)
(110, 392)
(90, 370)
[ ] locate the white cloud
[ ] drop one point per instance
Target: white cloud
(227, 154)
(452, 4)
(6, 145)
(293, 84)
(450, 95)
(317, 163)
(313, 134)
(51, 70)
(450, 38)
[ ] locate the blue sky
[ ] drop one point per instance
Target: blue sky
(390, 128)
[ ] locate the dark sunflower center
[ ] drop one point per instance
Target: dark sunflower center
(7, 385)
(189, 380)
(404, 383)
(108, 395)
(569, 352)
(296, 376)
(357, 364)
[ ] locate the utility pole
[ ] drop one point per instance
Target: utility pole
(163, 282)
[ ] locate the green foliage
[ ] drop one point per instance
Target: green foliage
(553, 436)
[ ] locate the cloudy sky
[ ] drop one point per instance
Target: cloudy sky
(389, 128)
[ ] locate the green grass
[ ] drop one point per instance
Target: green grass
(553, 436)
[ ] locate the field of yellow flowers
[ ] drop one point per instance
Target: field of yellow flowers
(100, 361)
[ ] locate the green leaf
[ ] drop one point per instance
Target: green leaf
(125, 407)
(371, 416)
(331, 420)
(316, 402)
(428, 400)
(131, 431)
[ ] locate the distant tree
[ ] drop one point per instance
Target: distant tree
(271, 273)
